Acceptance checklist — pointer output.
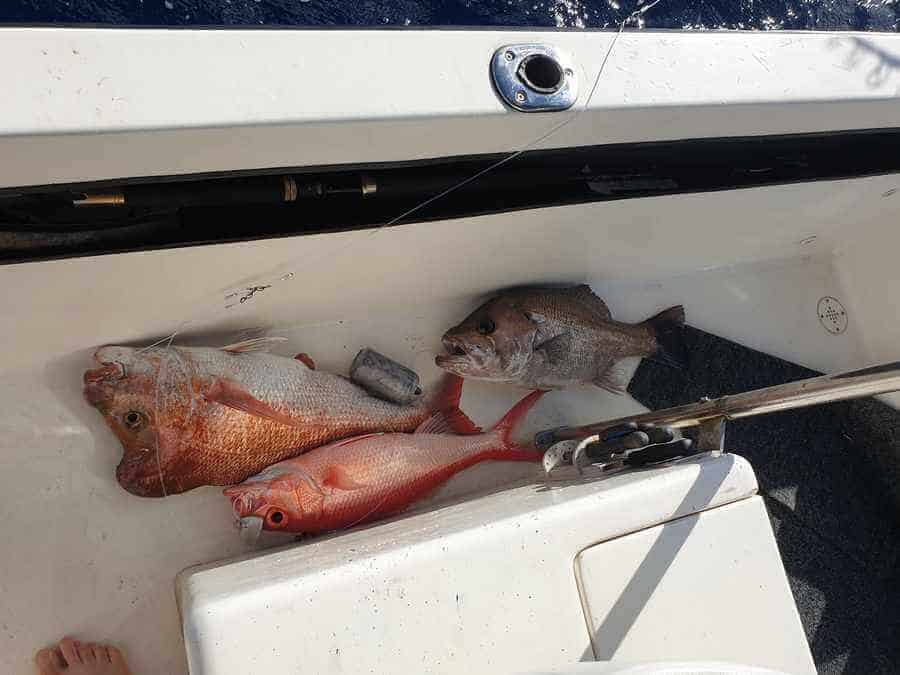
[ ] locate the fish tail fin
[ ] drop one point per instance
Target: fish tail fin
(668, 329)
(446, 416)
(451, 421)
(509, 449)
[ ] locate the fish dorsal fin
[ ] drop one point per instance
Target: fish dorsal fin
(354, 439)
(452, 421)
(588, 298)
(339, 478)
(260, 344)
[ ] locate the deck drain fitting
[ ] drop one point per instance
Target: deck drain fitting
(832, 315)
(534, 77)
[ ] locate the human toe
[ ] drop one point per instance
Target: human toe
(118, 661)
(69, 649)
(88, 656)
(49, 661)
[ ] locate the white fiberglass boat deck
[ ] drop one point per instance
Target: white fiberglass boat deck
(85, 557)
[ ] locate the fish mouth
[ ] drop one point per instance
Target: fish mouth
(107, 372)
(244, 503)
(454, 346)
(138, 473)
(94, 394)
(110, 368)
(143, 489)
(96, 380)
(457, 352)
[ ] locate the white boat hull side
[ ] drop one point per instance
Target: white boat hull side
(92, 104)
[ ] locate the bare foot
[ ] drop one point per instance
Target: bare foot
(71, 657)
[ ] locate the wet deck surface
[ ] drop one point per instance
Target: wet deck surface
(830, 477)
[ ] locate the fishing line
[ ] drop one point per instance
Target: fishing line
(368, 513)
(240, 295)
(569, 120)
(158, 423)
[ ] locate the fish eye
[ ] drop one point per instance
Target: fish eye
(276, 518)
(486, 327)
(134, 419)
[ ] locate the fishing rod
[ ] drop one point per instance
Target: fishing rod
(620, 440)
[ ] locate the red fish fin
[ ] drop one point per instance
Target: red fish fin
(232, 395)
(259, 344)
(354, 439)
(337, 477)
(452, 421)
(511, 420)
(448, 394)
(306, 360)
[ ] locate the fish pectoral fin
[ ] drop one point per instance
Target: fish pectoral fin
(306, 360)
(534, 317)
(557, 349)
(452, 421)
(232, 395)
(337, 477)
(614, 379)
(260, 344)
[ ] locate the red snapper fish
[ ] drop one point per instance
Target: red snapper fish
(368, 477)
(192, 416)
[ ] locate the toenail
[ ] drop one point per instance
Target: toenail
(69, 648)
(50, 660)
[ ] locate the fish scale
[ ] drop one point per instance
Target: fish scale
(214, 417)
(552, 338)
(369, 477)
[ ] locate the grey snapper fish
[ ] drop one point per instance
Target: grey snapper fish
(552, 338)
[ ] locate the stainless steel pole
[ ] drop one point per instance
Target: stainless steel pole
(711, 414)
